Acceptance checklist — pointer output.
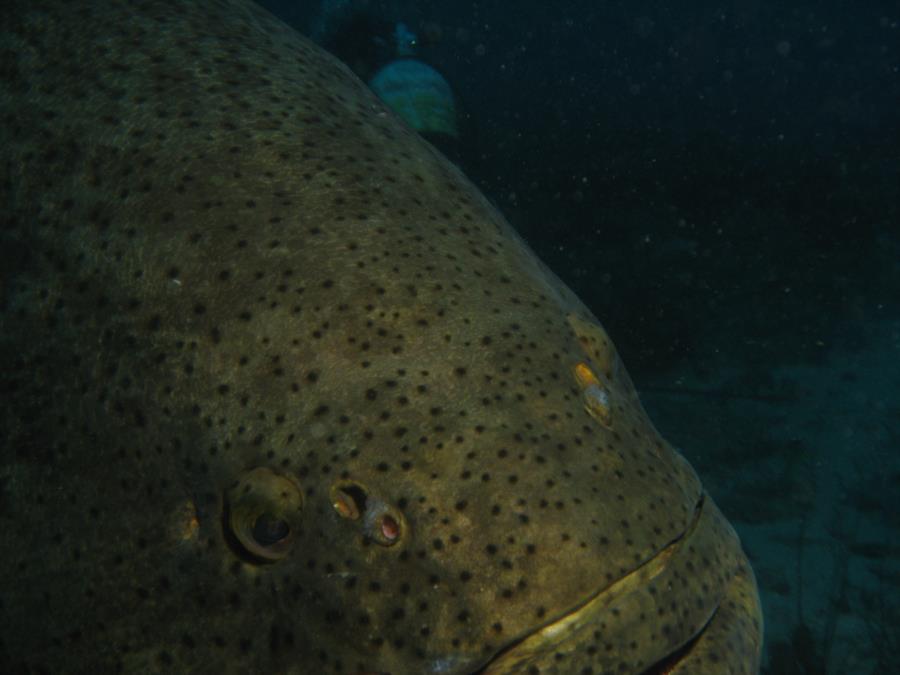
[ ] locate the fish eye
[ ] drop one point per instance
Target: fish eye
(262, 513)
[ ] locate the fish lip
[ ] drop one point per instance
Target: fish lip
(514, 657)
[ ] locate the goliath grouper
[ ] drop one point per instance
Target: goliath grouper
(283, 393)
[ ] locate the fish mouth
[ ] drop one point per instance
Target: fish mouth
(577, 628)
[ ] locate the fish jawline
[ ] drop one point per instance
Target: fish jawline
(532, 647)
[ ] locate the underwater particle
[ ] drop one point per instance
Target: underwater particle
(263, 514)
(594, 395)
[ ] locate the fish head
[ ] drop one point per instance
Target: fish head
(455, 498)
(287, 393)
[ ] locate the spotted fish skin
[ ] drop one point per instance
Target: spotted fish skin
(283, 393)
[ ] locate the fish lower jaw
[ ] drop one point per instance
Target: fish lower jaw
(618, 610)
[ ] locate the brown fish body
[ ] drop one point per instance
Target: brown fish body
(283, 393)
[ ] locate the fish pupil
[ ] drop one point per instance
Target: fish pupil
(269, 529)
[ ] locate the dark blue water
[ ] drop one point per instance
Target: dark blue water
(719, 182)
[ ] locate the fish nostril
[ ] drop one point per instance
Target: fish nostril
(383, 523)
(380, 521)
(596, 402)
(349, 499)
(594, 394)
(390, 528)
